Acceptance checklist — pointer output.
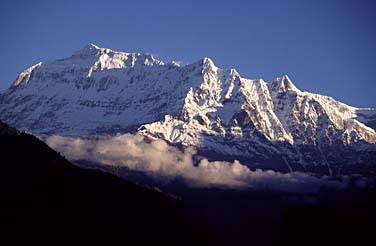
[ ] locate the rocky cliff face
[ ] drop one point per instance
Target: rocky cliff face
(267, 125)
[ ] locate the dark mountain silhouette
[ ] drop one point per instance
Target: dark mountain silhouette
(46, 199)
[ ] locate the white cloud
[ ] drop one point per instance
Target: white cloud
(158, 159)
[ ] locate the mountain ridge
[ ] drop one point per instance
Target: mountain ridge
(100, 91)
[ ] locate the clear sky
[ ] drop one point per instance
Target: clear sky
(325, 46)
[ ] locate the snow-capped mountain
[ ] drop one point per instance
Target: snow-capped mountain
(268, 125)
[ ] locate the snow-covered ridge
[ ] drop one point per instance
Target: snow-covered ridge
(90, 59)
(109, 59)
(24, 77)
(101, 91)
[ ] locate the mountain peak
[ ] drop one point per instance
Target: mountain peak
(207, 64)
(206, 61)
(92, 46)
(283, 84)
(87, 50)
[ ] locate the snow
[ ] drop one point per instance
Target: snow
(24, 77)
(101, 91)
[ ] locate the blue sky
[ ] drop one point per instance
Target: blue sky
(325, 46)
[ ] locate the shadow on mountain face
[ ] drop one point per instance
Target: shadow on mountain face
(44, 198)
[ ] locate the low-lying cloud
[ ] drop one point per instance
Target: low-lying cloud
(158, 159)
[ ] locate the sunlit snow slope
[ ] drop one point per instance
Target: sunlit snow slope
(274, 125)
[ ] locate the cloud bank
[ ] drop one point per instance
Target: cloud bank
(158, 159)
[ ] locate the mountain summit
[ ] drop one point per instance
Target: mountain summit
(267, 125)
